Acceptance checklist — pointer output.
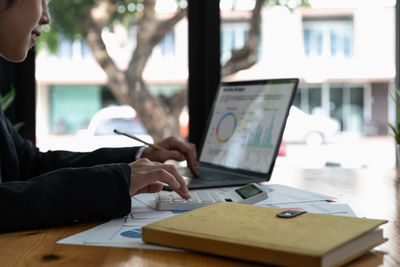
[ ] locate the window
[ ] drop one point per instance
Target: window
(72, 106)
(65, 50)
(233, 36)
(166, 48)
(347, 106)
(328, 38)
(78, 49)
(167, 44)
(71, 82)
(343, 102)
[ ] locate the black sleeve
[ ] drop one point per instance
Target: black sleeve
(65, 196)
(22, 159)
(40, 190)
(53, 160)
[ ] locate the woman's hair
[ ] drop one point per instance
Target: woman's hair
(5, 5)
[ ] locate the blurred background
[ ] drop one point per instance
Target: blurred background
(128, 69)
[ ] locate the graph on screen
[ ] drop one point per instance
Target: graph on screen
(262, 137)
(245, 126)
(226, 127)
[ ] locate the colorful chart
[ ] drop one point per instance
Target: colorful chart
(260, 138)
(226, 127)
(133, 233)
(178, 211)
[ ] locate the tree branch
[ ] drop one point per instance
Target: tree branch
(92, 28)
(177, 101)
(166, 26)
(150, 34)
(102, 11)
(246, 56)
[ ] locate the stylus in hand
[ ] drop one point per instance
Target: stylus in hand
(155, 146)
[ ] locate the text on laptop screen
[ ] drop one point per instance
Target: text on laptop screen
(246, 125)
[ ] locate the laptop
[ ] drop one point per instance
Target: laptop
(243, 133)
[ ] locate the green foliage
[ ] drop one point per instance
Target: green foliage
(18, 126)
(290, 4)
(66, 14)
(396, 129)
(50, 40)
(65, 17)
(5, 102)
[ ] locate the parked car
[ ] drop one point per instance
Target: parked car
(100, 131)
(184, 122)
(282, 149)
(309, 129)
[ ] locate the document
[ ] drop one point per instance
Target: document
(321, 207)
(122, 232)
(279, 194)
(126, 231)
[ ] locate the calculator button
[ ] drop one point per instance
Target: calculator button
(200, 198)
(193, 199)
(215, 197)
(165, 197)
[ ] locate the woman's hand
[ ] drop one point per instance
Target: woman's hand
(176, 150)
(146, 177)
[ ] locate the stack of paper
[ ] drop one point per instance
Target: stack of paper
(126, 232)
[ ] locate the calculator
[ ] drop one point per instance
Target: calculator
(248, 194)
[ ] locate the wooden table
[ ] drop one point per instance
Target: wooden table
(373, 193)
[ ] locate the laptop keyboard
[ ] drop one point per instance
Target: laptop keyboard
(210, 175)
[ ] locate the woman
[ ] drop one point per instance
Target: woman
(60, 187)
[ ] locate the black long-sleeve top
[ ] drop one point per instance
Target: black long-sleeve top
(39, 190)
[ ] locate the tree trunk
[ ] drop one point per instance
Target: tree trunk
(246, 56)
(160, 116)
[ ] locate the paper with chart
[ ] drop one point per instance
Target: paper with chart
(126, 231)
(320, 207)
(280, 194)
(284, 197)
(245, 127)
(121, 232)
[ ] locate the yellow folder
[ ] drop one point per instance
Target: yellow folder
(257, 234)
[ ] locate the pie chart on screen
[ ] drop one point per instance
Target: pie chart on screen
(226, 127)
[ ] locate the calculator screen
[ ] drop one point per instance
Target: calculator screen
(248, 191)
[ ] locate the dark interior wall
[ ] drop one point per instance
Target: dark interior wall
(397, 44)
(204, 63)
(21, 77)
(397, 64)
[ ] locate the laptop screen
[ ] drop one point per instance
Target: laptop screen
(246, 124)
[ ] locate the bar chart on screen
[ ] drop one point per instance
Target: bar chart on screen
(260, 137)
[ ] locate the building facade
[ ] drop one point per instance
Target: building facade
(345, 58)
